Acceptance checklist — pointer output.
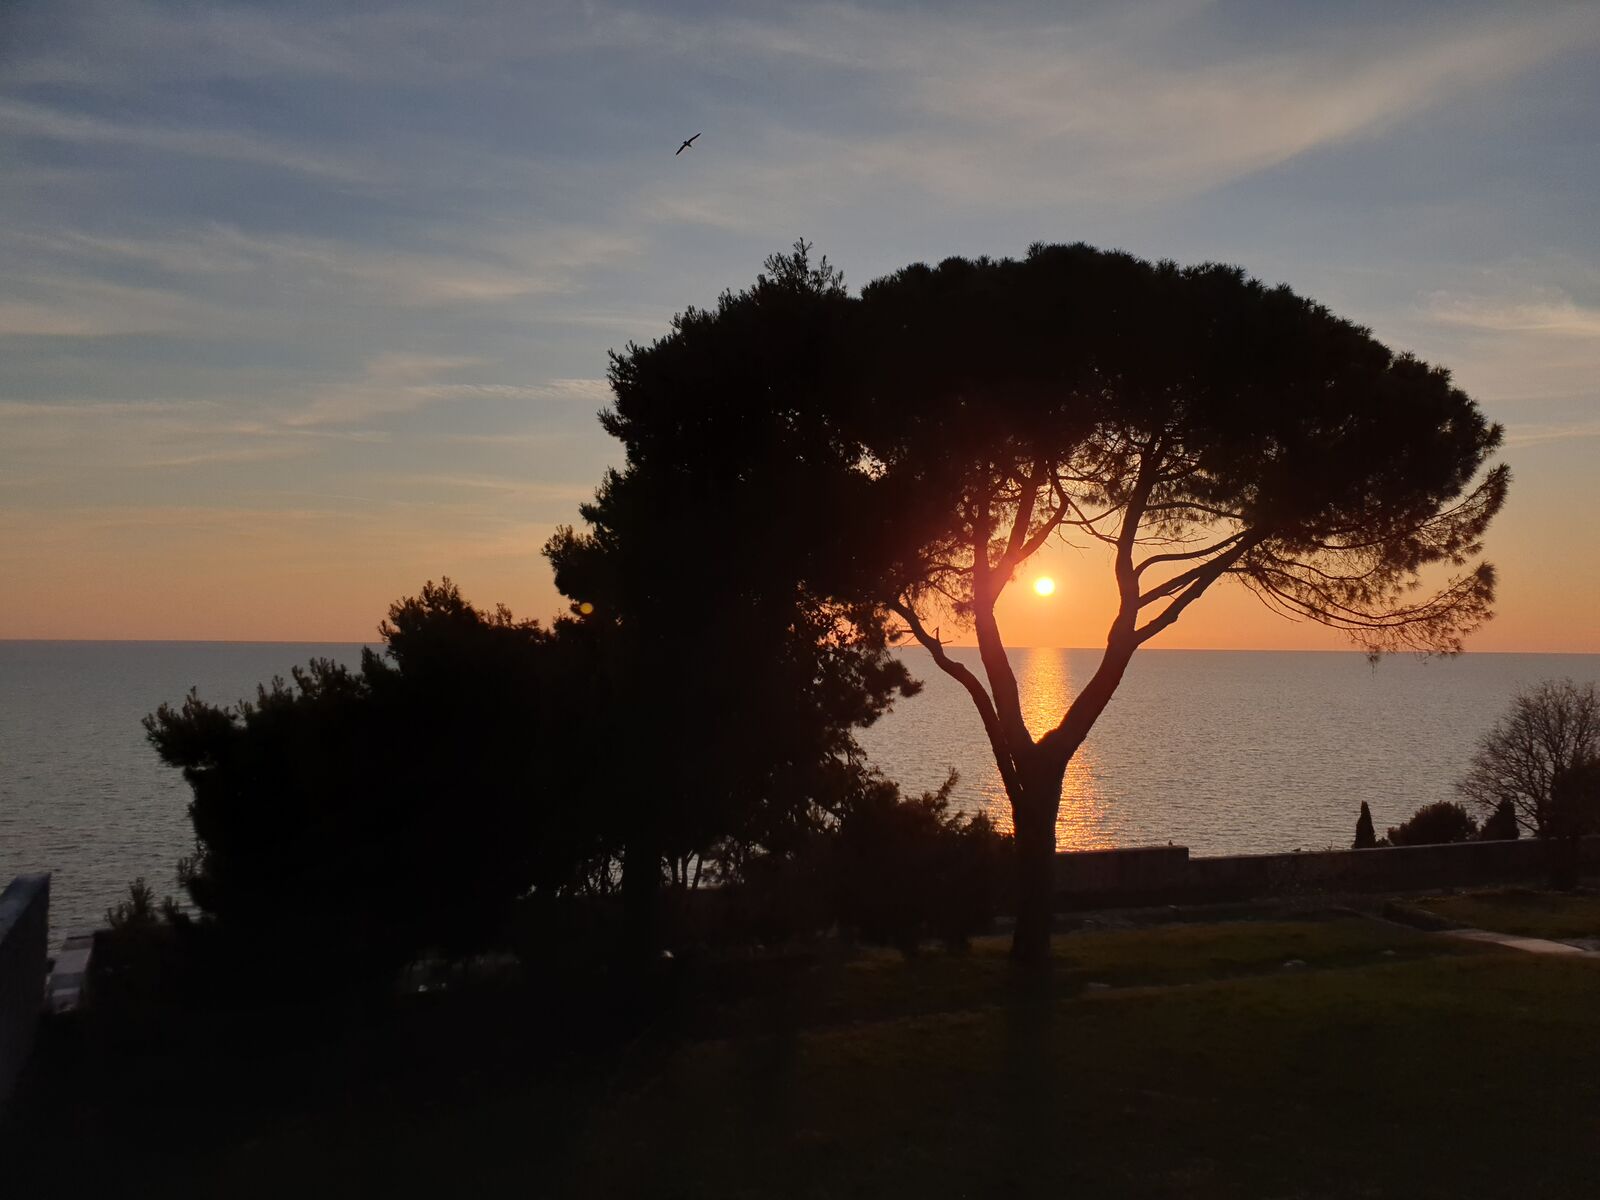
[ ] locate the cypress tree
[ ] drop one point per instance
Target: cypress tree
(1366, 838)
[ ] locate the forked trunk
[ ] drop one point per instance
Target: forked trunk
(1041, 770)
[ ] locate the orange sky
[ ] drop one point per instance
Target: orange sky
(328, 573)
(310, 577)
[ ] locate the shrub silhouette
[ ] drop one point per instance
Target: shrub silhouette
(909, 868)
(1366, 838)
(1500, 825)
(348, 821)
(1573, 812)
(1575, 800)
(1433, 824)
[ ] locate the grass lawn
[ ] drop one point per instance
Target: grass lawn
(1524, 911)
(1392, 1063)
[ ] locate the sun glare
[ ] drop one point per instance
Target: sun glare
(1044, 585)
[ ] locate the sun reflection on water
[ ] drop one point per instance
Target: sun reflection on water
(1045, 689)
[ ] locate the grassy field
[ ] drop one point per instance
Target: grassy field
(1525, 911)
(1336, 1058)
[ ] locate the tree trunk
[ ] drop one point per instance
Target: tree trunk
(641, 893)
(1034, 817)
(1041, 770)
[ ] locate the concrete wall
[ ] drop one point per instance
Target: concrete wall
(1167, 875)
(24, 926)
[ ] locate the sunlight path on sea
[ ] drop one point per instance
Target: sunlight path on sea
(1046, 688)
(1226, 752)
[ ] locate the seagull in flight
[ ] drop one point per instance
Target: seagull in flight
(685, 146)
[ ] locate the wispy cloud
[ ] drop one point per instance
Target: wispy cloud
(67, 306)
(501, 487)
(1534, 434)
(391, 276)
(1108, 108)
(215, 41)
(19, 118)
(241, 454)
(94, 411)
(1529, 346)
(562, 391)
(396, 383)
(542, 439)
(1545, 312)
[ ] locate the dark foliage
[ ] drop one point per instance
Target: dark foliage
(942, 427)
(1433, 824)
(906, 869)
(1551, 728)
(1366, 838)
(1501, 825)
(740, 680)
(1575, 800)
(139, 910)
(1573, 812)
(888, 869)
(348, 821)
(137, 967)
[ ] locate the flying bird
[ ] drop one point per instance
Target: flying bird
(685, 146)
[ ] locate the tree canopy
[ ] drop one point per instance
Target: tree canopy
(347, 821)
(741, 677)
(901, 454)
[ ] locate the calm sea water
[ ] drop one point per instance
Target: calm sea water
(1221, 751)
(1226, 752)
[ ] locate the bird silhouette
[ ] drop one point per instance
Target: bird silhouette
(684, 147)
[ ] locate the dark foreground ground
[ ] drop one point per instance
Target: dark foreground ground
(1333, 1057)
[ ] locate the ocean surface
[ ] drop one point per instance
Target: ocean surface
(1221, 751)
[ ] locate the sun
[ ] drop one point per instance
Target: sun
(1044, 585)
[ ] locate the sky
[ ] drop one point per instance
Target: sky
(303, 304)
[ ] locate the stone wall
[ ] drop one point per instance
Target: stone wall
(1167, 875)
(24, 927)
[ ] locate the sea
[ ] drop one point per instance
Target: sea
(1225, 752)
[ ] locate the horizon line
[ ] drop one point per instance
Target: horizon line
(111, 641)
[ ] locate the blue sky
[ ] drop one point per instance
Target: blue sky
(302, 304)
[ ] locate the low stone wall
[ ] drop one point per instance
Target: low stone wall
(1167, 875)
(1129, 875)
(24, 927)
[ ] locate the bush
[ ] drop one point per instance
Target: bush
(348, 822)
(777, 898)
(1433, 824)
(905, 869)
(880, 867)
(1573, 812)
(1575, 800)
(140, 910)
(1500, 825)
(137, 963)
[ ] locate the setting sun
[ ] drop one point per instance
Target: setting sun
(1044, 585)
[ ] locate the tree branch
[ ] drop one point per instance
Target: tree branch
(1202, 578)
(980, 698)
(1028, 496)
(1205, 552)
